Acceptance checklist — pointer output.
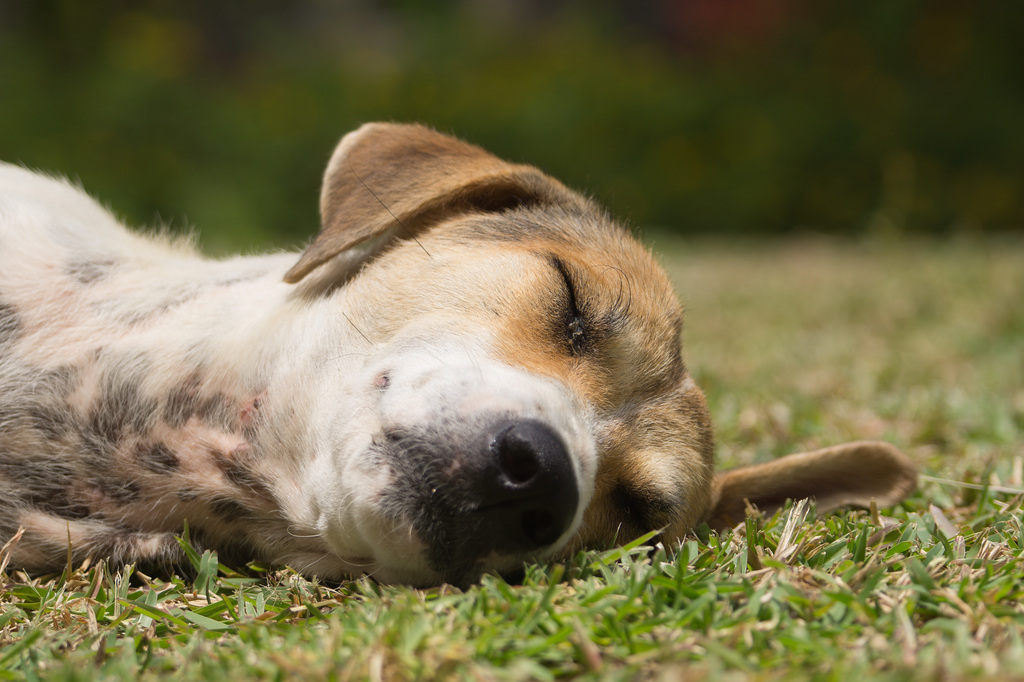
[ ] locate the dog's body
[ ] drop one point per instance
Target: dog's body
(471, 366)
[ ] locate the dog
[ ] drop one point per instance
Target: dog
(471, 366)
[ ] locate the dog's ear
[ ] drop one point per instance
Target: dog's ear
(394, 179)
(852, 474)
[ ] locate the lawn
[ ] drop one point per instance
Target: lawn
(798, 345)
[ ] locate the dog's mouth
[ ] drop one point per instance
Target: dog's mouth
(487, 505)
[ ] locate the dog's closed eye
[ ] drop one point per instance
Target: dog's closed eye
(573, 321)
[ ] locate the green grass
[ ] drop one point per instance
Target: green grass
(798, 345)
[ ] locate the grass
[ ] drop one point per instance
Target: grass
(798, 345)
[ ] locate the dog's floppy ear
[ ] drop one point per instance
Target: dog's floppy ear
(393, 178)
(843, 475)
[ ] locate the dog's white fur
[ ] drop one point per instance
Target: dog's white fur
(144, 385)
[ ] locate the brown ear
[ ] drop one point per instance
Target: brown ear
(401, 178)
(852, 474)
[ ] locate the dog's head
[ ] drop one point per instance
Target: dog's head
(518, 389)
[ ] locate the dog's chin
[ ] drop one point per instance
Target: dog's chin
(420, 578)
(416, 565)
(510, 569)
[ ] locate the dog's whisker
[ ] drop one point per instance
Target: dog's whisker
(343, 356)
(358, 330)
(294, 534)
(409, 233)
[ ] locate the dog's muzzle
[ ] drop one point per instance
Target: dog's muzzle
(506, 494)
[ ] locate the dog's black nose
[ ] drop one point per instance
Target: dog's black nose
(528, 493)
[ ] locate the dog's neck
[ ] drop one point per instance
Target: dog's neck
(209, 375)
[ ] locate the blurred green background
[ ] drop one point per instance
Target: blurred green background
(726, 117)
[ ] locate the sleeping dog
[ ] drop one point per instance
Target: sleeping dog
(469, 367)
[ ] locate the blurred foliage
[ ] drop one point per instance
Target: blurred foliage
(722, 116)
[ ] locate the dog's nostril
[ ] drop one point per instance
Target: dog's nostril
(518, 461)
(526, 447)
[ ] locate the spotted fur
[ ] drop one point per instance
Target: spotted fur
(335, 410)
